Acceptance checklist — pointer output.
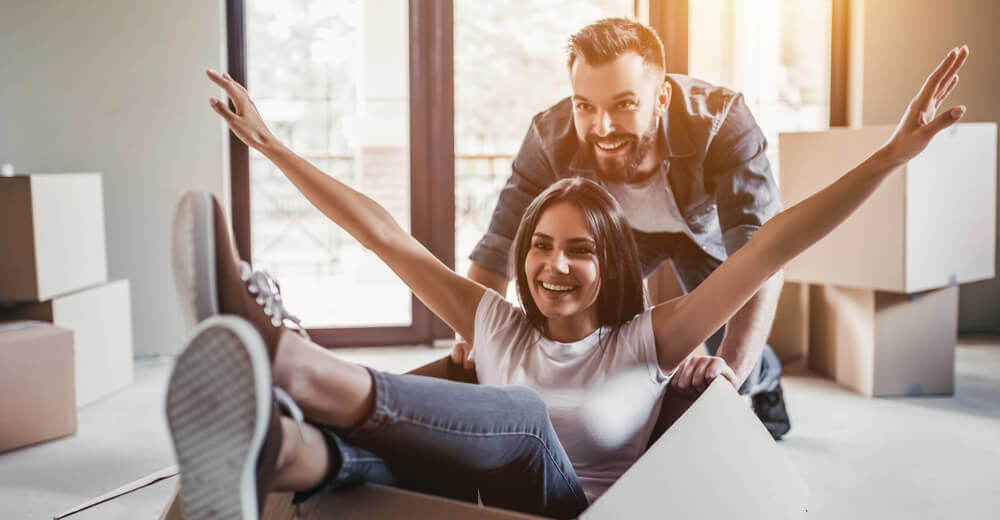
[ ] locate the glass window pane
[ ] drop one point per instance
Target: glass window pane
(510, 64)
(331, 78)
(776, 52)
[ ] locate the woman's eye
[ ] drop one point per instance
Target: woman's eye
(582, 251)
(582, 107)
(540, 245)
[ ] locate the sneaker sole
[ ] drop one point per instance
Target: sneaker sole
(218, 411)
(194, 257)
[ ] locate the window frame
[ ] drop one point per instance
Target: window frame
(432, 178)
(432, 137)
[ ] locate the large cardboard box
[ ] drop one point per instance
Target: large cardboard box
(52, 235)
(37, 400)
(715, 462)
(931, 225)
(885, 344)
(790, 331)
(101, 319)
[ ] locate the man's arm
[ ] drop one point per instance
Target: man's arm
(737, 169)
(491, 279)
(747, 330)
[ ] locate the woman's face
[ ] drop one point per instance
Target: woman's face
(562, 270)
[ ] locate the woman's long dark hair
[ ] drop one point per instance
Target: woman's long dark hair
(622, 294)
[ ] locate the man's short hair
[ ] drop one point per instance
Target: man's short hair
(605, 40)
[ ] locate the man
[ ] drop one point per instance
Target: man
(687, 162)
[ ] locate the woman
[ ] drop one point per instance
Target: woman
(578, 278)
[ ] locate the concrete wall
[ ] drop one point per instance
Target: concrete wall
(902, 41)
(117, 86)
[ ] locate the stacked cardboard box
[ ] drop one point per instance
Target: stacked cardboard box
(882, 314)
(53, 268)
(37, 400)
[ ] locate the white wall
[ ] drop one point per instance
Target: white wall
(117, 86)
(903, 40)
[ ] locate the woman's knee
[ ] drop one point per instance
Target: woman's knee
(531, 408)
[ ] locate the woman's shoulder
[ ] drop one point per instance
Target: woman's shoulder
(496, 313)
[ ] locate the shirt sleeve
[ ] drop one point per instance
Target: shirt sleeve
(736, 166)
(531, 172)
(493, 312)
(638, 335)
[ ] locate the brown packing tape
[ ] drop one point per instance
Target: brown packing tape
(135, 485)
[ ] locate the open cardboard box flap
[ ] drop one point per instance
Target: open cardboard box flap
(715, 461)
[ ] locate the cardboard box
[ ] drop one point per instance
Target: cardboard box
(52, 231)
(885, 344)
(715, 462)
(37, 401)
(101, 319)
(790, 331)
(929, 226)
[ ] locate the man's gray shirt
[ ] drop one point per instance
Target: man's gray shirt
(712, 151)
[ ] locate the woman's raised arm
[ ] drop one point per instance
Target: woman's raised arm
(684, 322)
(452, 297)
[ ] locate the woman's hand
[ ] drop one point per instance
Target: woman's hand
(245, 122)
(695, 373)
(919, 124)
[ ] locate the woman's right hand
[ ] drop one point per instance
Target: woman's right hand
(245, 121)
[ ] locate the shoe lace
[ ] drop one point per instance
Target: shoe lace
(269, 297)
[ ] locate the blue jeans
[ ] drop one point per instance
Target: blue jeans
(454, 439)
(693, 265)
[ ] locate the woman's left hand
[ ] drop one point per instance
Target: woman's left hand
(244, 120)
(919, 124)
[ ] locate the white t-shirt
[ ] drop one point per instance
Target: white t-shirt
(507, 350)
(649, 205)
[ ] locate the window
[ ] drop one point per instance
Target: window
(776, 52)
(332, 79)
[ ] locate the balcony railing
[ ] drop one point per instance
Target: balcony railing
(295, 238)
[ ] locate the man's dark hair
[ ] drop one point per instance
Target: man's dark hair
(622, 295)
(605, 40)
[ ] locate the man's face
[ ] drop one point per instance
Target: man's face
(616, 108)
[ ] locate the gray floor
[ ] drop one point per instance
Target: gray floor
(862, 458)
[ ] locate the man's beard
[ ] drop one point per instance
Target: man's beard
(624, 168)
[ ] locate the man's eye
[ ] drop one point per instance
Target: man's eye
(583, 107)
(628, 105)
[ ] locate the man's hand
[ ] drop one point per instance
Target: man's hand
(919, 124)
(244, 120)
(695, 373)
(460, 354)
